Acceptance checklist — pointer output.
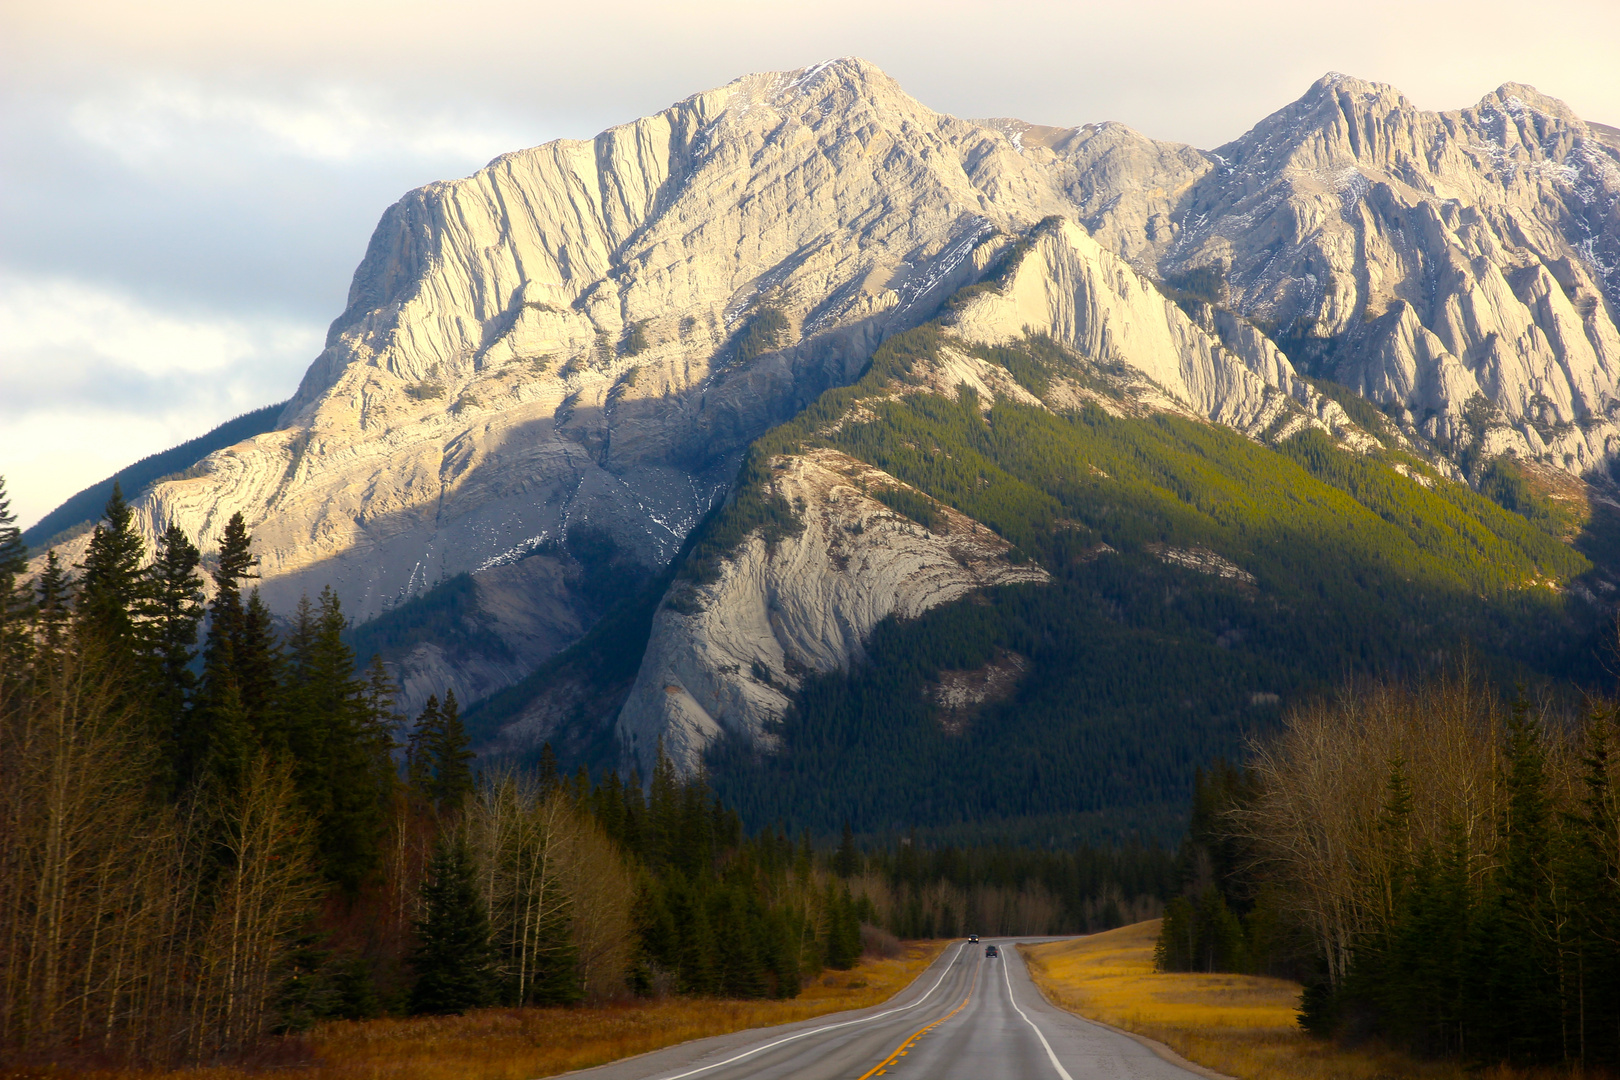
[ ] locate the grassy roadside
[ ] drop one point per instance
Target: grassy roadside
(524, 1044)
(1239, 1025)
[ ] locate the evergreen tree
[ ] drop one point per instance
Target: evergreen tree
(16, 604)
(437, 759)
(452, 760)
(1593, 876)
(1521, 993)
(452, 959)
(260, 675)
(53, 612)
(425, 734)
(843, 933)
(847, 860)
(220, 733)
(550, 777)
(342, 763)
(173, 610)
(113, 590)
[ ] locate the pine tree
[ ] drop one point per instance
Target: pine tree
(438, 762)
(1517, 992)
(452, 959)
(425, 734)
(345, 775)
(847, 860)
(113, 591)
(220, 735)
(452, 760)
(54, 613)
(16, 603)
(172, 613)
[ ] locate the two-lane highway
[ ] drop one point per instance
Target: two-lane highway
(968, 1016)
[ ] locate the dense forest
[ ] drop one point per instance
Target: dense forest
(214, 828)
(1139, 666)
(1440, 866)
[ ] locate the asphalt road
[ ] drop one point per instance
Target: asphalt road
(966, 1018)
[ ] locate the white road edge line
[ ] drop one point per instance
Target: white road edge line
(834, 1027)
(1056, 1064)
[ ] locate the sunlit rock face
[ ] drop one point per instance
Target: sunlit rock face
(588, 333)
(1429, 260)
(725, 655)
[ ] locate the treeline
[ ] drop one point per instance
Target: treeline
(169, 817)
(1137, 669)
(214, 830)
(1442, 868)
(915, 892)
(208, 838)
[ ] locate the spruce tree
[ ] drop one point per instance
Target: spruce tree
(113, 590)
(438, 763)
(260, 674)
(53, 612)
(1517, 992)
(847, 860)
(173, 610)
(344, 773)
(220, 734)
(425, 734)
(452, 760)
(452, 959)
(16, 603)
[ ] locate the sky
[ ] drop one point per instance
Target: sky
(187, 187)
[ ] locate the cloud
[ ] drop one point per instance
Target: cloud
(151, 123)
(94, 379)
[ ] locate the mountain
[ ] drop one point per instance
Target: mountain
(547, 416)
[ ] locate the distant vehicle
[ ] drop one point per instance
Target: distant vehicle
(973, 939)
(990, 951)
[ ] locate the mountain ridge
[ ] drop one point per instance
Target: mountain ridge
(588, 334)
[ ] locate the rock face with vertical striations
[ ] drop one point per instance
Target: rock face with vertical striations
(586, 335)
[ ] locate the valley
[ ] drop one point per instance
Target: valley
(799, 527)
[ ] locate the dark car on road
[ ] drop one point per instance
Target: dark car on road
(973, 939)
(990, 951)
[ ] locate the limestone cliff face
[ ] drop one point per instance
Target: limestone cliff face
(1428, 259)
(724, 656)
(568, 336)
(589, 332)
(1218, 366)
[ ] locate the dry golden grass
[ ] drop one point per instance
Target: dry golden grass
(523, 1044)
(1239, 1025)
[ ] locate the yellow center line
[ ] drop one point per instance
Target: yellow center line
(904, 1048)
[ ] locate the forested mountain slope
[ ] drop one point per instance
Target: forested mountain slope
(582, 339)
(1179, 583)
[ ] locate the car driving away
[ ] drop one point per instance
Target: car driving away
(991, 951)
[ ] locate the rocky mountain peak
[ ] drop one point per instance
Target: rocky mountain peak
(583, 336)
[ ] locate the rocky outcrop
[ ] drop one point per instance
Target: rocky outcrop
(1428, 260)
(587, 333)
(1068, 288)
(724, 655)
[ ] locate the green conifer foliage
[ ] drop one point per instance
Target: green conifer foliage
(172, 613)
(439, 763)
(341, 746)
(847, 860)
(112, 589)
(452, 960)
(53, 610)
(16, 604)
(220, 732)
